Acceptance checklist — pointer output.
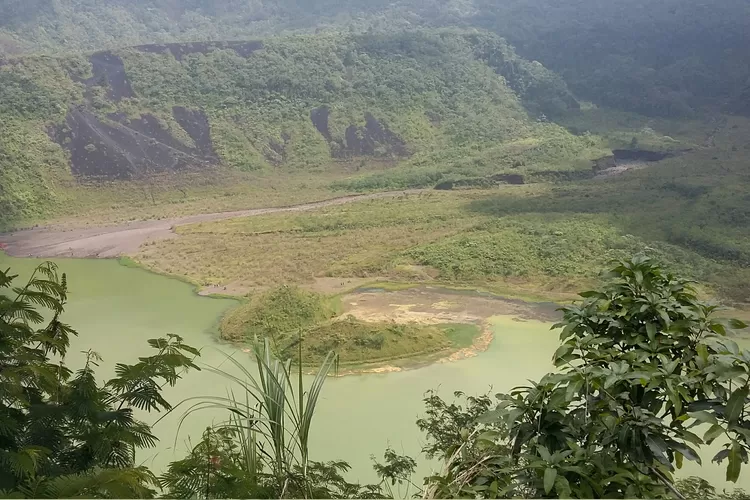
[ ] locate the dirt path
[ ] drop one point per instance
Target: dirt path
(124, 239)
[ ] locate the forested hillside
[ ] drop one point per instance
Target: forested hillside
(380, 185)
(440, 98)
(667, 58)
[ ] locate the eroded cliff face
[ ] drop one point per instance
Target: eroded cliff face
(118, 145)
(372, 139)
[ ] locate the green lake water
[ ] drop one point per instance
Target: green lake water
(116, 309)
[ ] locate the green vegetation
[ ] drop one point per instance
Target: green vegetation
(429, 101)
(671, 58)
(355, 239)
(544, 236)
(461, 334)
(696, 202)
(276, 313)
(65, 436)
(387, 95)
(61, 433)
(262, 450)
(299, 323)
(359, 342)
(642, 361)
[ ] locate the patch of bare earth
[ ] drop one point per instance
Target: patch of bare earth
(426, 305)
(234, 289)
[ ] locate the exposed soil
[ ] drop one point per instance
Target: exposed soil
(319, 117)
(109, 71)
(124, 239)
(195, 123)
(122, 148)
(429, 305)
(119, 147)
(335, 286)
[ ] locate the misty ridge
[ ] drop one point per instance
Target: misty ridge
(388, 198)
(667, 58)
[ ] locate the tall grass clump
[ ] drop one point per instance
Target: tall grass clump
(262, 449)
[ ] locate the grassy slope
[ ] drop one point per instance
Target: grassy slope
(667, 58)
(438, 91)
(689, 211)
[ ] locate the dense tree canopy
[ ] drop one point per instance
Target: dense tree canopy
(665, 58)
(643, 363)
(301, 102)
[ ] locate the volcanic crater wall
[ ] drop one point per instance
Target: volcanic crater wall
(122, 147)
(116, 145)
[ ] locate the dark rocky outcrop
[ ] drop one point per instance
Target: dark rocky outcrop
(374, 139)
(179, 50)
(109, 71)
(319, 117)
(119, 148)
(195, 123)
(640, 155)
(623, 157)
(122, 147)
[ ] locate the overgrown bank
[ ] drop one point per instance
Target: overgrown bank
(297, 322)
(641, 362)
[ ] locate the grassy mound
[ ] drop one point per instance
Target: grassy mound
(362, 342)
(286, 314)
(278, 314)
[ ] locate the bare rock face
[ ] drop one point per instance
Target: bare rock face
(641, 155)
(109, 72)
(122, 147)
(195, 123)
(374, 139)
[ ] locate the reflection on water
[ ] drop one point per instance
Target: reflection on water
(116, 309)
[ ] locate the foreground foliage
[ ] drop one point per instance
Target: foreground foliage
(61, 433)
(262, 450)
(646, 377)
(643, 363)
